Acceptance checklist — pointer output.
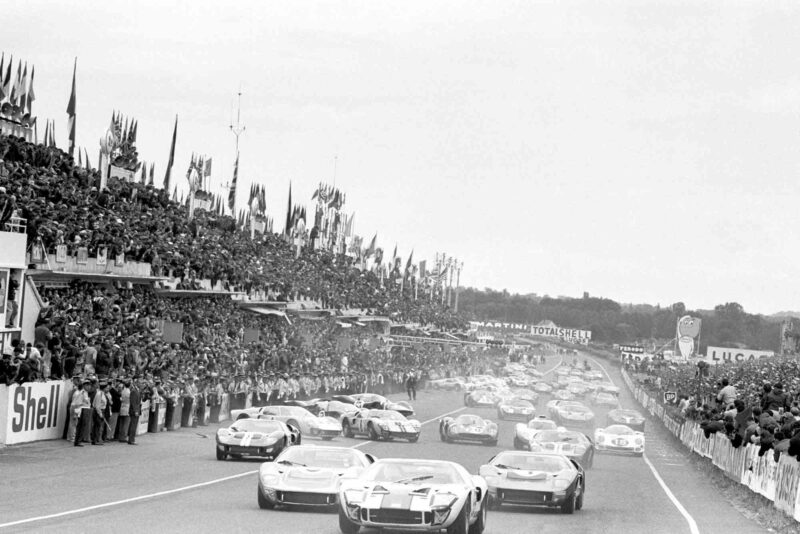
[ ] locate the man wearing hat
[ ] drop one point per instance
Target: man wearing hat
(79, 403)
(99, 405)
(135, 410)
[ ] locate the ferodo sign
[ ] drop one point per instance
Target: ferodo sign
(571, 334)
(33, 411)
(716, 355)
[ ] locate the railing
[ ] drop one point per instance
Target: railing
(17, 225)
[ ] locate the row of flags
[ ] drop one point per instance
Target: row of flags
(16, 91)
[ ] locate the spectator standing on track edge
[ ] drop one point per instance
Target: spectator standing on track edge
(135, 411)
(411, 385)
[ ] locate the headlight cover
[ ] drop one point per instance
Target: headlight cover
(353, 496)
(443, 500)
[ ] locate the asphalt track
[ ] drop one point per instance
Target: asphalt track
(173, 483)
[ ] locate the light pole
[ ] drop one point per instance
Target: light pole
(459, 266)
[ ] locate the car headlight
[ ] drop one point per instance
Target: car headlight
(269, 479)
(443, 500)
(639, 441)
(353, 496)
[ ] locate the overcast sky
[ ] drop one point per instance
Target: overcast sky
(641, 151)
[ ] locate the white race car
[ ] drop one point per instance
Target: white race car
(619, 438)
(414, 495)
(523, 432)
(322, 426)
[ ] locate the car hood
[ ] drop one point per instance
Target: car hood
(568, 449)
(576, 416)
(247, 439)
(324, 423)
(417, 497)
(398, 426)
(523, 479)
(299, 478)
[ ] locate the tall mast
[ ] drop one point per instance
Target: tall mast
(237, 130)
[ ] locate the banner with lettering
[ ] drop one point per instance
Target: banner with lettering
(34, 411)
(717, 355)
(786, 484)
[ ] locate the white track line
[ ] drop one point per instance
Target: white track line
(176, 490)
(671, 496)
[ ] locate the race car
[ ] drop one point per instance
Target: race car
(447, 384)
(515, 408)
(414, 495)
(574, 414)
(608, 387)
(321, 426)
(466, 427)
(542, 387)
(523, 433)
(308, 475)
(381, 424)
(480, 398)
(601, 398)
(563, 394)
(570, 443)
(535, 479)
(527, 394)
(255, 437)
(373, 401)
(630, 418)
(577, 388)
(619, 438)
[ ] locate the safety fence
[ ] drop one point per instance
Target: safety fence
(777, 481)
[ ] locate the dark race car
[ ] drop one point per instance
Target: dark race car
(468, 427)
(630, 418)
(535, 479)
(255, 437)
(481, 398)
(570, 443)
(381, 424)
(373, 401)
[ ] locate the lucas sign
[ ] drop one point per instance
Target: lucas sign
(716, 355)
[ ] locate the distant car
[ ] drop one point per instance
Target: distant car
(321, 426)
(608, 387)
(480, 398)
(573, 444)
(332, 408)
(630, 418)
(601, 398)
(619, 438)
(447, 384)
(542, 387)
(414, 495)
(373, 401)
(308, 475)
(255, 437)
(563, 394)
(535, 479)
(381, 425)
(523, 433)
(516, 408)
(573, 414)
(466, 427)
(526, 394)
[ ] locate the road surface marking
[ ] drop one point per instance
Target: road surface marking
(686, 515)
(175, 490)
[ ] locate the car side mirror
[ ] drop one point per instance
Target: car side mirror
(371, 459)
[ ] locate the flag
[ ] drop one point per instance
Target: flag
(171, 156)
(232, 192)
(371, 247)
(71, 111)
(15, 88)
(152, 173)
(80, 159)
(207, 167)
(86, 159)
(175, 194)
(288, 227)
(409, 262)
(2, 88)
(7, 81)
(31, 94)
(23, 89)
(394, 254)
(143, 178)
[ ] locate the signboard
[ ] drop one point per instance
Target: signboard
(498, 326)
(61, 254)
(83, 256)
(670, 397)
(144, 419)
(34, 411)
(717, 355)
(569, 334)
(631, 349)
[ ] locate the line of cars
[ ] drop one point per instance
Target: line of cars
(267, 430)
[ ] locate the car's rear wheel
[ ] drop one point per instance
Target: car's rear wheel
(347, 430)
(569, 506)
(579, 501)
(347, 526)
(461, 524)
(480, 523)
(263, 502)
(221, 455)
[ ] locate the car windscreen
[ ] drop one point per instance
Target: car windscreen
(417, 472)
(256, 425)
(556, 436)
(319, 457)
(620, 430)
(546, 463)
(468, 420)
(520, 403)
(538, 424)
(389, 415)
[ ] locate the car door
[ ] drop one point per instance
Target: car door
(269, 412)
(361, 421)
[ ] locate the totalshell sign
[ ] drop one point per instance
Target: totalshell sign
(569, 334)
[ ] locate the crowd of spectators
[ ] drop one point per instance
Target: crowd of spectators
(63, 205)
(756, 401)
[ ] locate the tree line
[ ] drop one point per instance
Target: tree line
(727, 325)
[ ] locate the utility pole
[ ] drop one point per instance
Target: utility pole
(459, 265)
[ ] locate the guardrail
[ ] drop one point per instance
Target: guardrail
(777, 481)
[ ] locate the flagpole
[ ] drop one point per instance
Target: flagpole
(237, 131)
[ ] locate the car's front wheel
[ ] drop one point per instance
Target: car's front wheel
(480, 523)
(373, 434)
(347, 430)
(461, 524)
(347, 526)
(569, 506)
(221, 455)
(263, 502)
